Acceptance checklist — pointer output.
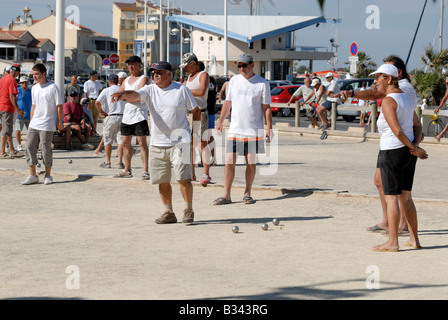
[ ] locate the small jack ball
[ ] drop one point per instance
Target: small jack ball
(264, 226)
(235, 229)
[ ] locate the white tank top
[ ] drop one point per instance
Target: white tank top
(193, 85)
(134, 112)
(405, 115)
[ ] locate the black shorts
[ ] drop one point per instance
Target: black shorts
(245, 146)
(136, 129)
(397, 167)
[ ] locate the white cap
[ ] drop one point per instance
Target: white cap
(388, 69)
(329, 74)
(24, 79)
(315, 82)
(122, 74)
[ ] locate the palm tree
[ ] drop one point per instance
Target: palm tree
(365, 65)
(430, 82)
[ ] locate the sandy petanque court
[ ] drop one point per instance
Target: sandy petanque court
(95, 238)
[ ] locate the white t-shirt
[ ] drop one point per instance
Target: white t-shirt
(407, 88)
(108, 106)
(333, 87)
(168, 108)
(134, 112)
(247, 96)
(45, 98)
(405, 116)
(92, 89)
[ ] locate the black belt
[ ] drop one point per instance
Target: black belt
(204, 110)
(115, 114)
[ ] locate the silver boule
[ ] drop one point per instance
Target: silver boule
(275, 222)
(264, 226)
(70, 161)
(235, 229)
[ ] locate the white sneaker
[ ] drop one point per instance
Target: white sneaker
(48, 180)
(19, 148)
(31, 180)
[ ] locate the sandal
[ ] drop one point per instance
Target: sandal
(124, 174)
(17, 154)
(375, 228)
(221, 200)
(120, 165)
(401, 233)
(145, 175)
(105, 165)
(7, 156)
(248, 200)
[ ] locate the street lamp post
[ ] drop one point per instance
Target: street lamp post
(145, 54)
(60, 45)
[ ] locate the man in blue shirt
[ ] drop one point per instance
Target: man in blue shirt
(24, 103)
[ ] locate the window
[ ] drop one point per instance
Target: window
(263, 43)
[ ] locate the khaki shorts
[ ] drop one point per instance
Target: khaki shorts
(7, 122)
(204, 124)
(93, 108)
(162, 158)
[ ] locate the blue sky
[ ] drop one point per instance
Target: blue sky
(397, 22)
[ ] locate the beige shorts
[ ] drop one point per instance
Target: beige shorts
(162, 158)
(204, 124)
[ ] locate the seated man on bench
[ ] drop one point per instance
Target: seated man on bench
(74, 118)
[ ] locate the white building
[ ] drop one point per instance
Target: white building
(269, 39)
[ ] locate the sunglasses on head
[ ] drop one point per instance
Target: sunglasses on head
(244, 65)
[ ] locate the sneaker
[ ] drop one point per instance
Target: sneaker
(205, 180)
(99, 154)
(166, 217)
(19, 148)
(31, 180)
(105, 165)
(48, 180)
(188, 216)
(120, 165)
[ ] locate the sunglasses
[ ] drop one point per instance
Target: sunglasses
(244, 65)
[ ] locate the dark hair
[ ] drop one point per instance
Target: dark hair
(399, 64)
(201, 65)
(40, 67)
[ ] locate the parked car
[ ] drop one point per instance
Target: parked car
(278, 83)
(352, 84)
(282, 94)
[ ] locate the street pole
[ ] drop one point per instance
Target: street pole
(145, 54)
(60, 45)
(226, 53)
(161, 31)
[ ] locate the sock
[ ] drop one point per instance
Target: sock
(168, 207)
(189, 205)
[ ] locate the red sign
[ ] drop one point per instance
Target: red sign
(353, 48)
(114, 58)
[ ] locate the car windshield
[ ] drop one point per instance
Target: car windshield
(276, 91)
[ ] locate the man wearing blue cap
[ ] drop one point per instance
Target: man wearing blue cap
(170, 144)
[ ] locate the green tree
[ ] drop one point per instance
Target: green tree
(365, 65)
(429, 83)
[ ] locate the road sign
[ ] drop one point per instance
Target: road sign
(106, 62)
(114, 58)
(94, 61)
(353, 48)
(353, 59)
